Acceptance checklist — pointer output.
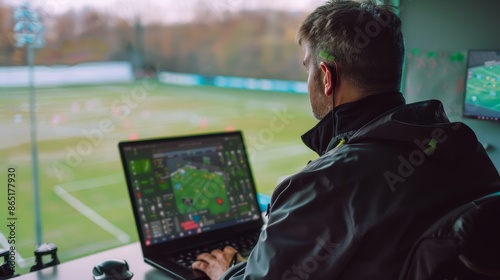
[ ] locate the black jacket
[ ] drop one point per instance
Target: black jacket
(386, 172)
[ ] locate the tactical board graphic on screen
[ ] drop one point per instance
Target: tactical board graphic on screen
(198, 186)
(482, 93)
(182, 188)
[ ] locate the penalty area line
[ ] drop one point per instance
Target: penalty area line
(91, 214)
(92, 183)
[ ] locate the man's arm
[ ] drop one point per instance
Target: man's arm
(215, 263)
(309, 233)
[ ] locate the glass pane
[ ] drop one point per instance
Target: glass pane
(109, 71)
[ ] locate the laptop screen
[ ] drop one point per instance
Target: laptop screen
(187, 185)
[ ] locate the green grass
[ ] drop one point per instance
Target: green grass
(79, 127)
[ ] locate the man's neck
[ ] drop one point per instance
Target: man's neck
(353, 115)
(349, 117)
(347, 93)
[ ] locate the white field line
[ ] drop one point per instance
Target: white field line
(93, 183)
(87, 211)
(19, 259)
(490, 73)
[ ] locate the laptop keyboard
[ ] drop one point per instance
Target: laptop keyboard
(243, 245)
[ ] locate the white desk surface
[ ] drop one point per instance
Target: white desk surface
(81, 269)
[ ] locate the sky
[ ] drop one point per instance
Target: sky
(167, 10)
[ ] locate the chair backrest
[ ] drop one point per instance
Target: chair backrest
(462, 245)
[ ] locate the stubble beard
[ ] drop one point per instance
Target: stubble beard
(319, 105)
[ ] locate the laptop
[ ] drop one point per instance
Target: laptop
(191, 194)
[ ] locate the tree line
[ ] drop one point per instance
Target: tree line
(249, 43)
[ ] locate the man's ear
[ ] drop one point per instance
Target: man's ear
(327, 78)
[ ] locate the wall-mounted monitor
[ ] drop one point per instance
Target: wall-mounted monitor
(482, 89)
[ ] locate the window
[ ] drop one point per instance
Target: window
(108, 73)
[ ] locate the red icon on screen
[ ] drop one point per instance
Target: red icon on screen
(219, 201)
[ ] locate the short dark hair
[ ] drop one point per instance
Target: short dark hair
(364, 37)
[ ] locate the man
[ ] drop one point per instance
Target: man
(386, 170)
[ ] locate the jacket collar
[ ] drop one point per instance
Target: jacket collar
(349, 117)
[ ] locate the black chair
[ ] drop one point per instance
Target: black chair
(462, 245)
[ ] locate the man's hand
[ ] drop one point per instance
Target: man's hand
(215, 263)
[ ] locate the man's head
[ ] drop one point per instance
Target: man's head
(366, 43)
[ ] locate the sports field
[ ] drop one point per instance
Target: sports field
(483, 90)
(85, 206)
(191, 185)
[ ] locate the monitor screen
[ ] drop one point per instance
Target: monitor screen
(482, 90)
(186, 185)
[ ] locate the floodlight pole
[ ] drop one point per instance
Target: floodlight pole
(28, 32)
(34, 147)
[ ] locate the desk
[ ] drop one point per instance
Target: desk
(81, 269)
